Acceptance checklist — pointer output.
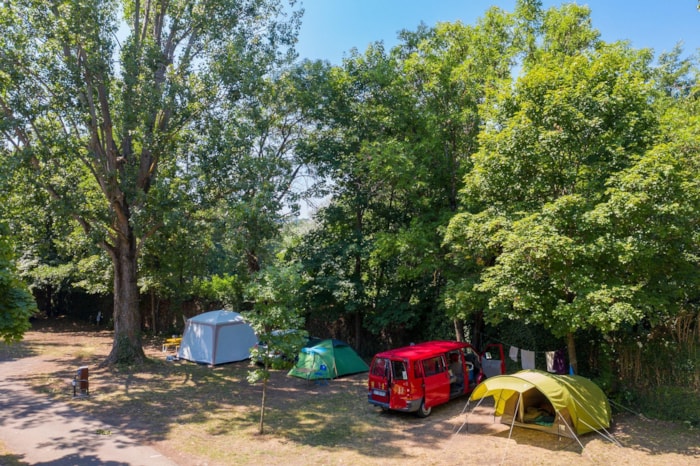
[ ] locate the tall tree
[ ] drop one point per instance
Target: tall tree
(251, 161)
(580, 113)
(16, 303)
(449, 71)
(95, 108)
(647, 228)
(403, 125)
(356, 111)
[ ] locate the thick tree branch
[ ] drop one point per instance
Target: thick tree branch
(152, 231)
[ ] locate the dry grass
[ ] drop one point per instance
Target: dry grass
(7, 458)
(209, 415)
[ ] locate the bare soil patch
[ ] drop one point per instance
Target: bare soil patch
(200, 415)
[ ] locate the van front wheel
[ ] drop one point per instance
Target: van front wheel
(423, 411)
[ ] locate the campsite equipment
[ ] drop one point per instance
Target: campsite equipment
(327, 359)
(173, 342)
(566, 405)
(217, 337)
(417, 377)
(81, 382)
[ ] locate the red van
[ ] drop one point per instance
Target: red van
(415, 378)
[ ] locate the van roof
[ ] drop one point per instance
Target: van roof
(422, 350)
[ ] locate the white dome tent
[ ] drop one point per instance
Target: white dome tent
(217, 337)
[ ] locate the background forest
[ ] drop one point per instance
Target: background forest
(517, 180)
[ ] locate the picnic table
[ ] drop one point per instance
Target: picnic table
(173, 343)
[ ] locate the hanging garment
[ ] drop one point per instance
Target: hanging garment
(528, 359)
(514, 353)
(560, 362)
(550, 361)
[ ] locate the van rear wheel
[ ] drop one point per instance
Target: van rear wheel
(423, 411)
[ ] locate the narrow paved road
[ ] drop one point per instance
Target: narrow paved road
(42, 432)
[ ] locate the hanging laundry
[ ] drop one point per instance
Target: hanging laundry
(560, 362)
(550, 360)
(514, 353)
(528, 359)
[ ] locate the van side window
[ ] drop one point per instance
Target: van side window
(399, 370)
(433, 366)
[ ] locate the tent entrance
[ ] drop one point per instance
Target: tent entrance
(533, 410)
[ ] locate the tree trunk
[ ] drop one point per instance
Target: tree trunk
(358, 329)
(127, 347)
(571, 346)
(261, 427)
(357, 276)
(253, 261)
(154, 313)
(478, 330)
(459, 329)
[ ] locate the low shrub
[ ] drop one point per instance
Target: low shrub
(671, 403)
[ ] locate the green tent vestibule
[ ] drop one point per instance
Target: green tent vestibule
(327, 359)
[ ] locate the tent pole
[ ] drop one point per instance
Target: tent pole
(335, 365)
(573, 432)
(608, 437)
(512, 424)
(583, 450)
(466, 405)
(466, 420)
(517, 410)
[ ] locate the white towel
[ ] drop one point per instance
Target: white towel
(528, 359)
(550, 361)
(514, 353)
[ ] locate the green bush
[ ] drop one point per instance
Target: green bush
(671, 403)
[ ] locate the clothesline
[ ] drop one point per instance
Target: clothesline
(555, 359)
(506, 344)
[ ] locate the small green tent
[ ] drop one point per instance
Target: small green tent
(327, 359)
(568, 405)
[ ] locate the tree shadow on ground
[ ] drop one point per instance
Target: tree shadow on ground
(82, 460)
(657, 437)
(153, 401)
(149, 401)
(12, 460)
(14, 351)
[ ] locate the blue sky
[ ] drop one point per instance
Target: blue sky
(331, 28)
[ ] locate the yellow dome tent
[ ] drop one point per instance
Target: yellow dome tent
(566, 405)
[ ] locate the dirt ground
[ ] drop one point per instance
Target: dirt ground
(199, 415)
